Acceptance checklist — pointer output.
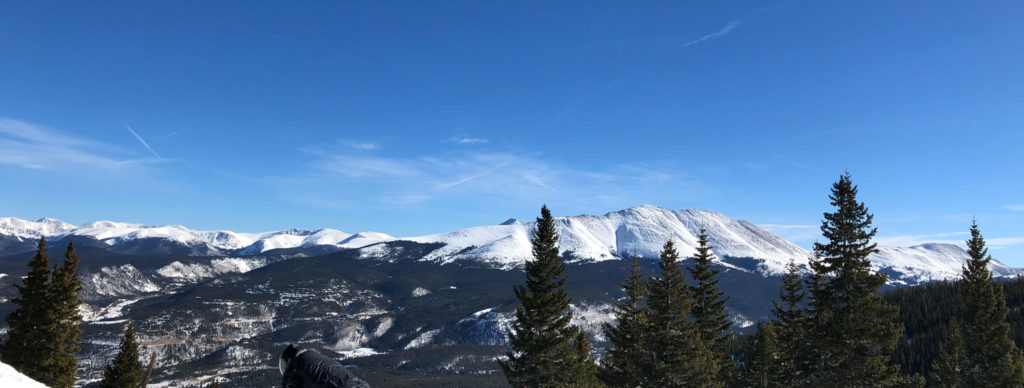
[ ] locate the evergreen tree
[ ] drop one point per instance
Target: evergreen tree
(625, 362)
(545, 349)
(948, 369)
(853, 329)
(585, 367)
(126, 370)
(214, 384)
(992, 359)
(789, 321)
(708, 310)
(678, 358)
(765, 364)
(64, 287)
(30, 346)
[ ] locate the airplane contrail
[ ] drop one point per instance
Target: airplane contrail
(141, 141)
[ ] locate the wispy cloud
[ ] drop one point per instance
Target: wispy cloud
(794, 232)
(32, 146)
(467, 140)
(365, 146)
(918, 239)
(1019, 208)
(499, 177)
(144, 144)
(715, 35)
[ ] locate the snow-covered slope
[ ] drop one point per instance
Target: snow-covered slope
(11, 378)
(641, 230)
(928, 262)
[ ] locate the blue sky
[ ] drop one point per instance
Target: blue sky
(412, 118)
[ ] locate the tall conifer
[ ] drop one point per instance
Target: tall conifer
(789, 324)
(992, 359)
(625, 362)
(764, 366)
(854, 330)
(678, 358)
(545, 349)
(64, 301)
(30, 346)
(708, 311)
(126, 370)
(948, 368)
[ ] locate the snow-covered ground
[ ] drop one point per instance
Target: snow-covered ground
(11, 378)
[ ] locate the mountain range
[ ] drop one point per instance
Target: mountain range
(429, 310)
(640, 230)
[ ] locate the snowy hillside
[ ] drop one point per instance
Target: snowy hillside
(11, 378)
(640, 230)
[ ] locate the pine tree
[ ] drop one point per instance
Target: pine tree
(30, 347)
(765, 365)
(545, 349)
(625, 362)
(708, 311)
(789, 324)
(678, 358)
(64, 287)
(948, 369)
(126, 370)
(992, 359)
(585, 367)
(854, 330)
(214, 384)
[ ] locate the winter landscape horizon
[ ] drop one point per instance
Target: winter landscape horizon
(527, 194)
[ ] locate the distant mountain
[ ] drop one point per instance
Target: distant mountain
(440, 306)
(640, 230)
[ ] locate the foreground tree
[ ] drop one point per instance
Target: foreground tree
(126, 370)
(678, 357)
(948, 369)
(853, 329)
(789, 323)
(625, 363)
(545, 349)
(708, 310)
(991, 359)
(764, 366)
(30, 347)
(64, 301)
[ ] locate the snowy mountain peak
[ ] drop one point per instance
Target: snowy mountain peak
(640, 230)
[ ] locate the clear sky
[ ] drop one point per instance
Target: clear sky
(421, 117)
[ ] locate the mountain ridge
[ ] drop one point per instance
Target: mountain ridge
(639, 230)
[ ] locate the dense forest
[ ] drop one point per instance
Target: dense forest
(829, 327)
(926, 311)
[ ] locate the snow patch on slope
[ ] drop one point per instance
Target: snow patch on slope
(11, 378)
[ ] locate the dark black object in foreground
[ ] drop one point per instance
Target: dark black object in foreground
(301, 368)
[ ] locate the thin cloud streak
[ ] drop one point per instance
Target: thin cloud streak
(467, 140)
(141, 140)
(1019, 208)
(715, 35)
(477, 177)
(32, 146)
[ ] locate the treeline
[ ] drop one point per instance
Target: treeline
(830, 328)
(43, 333)
(927, 310)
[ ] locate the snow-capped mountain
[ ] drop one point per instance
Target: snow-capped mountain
(641, 230)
